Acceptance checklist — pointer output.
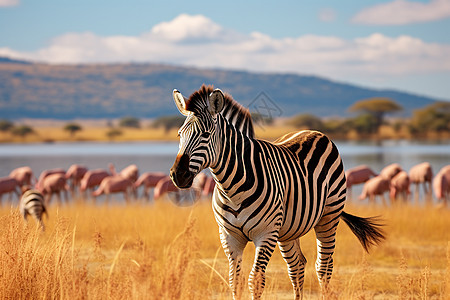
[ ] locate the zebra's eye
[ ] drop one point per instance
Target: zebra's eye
(205, 135)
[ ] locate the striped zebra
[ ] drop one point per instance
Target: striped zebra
(32, 203)
(267, 193)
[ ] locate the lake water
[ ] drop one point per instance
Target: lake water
(159, 156)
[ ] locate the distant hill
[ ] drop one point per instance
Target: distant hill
(34, 90)
(13, 61)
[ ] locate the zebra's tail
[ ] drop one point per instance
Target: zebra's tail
(367, 230)
(44, 211)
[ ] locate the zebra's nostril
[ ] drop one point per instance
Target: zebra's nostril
(184, 161)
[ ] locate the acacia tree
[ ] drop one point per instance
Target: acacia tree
(307, 121)
(6, 125)
(72, 128)
(113, 133)
(22, 130)
(169, 122)
(434, 117)
(131, 122)
(377, 107)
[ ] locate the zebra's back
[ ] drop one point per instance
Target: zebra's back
(315, 185)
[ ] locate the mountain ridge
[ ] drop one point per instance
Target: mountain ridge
(94, 91)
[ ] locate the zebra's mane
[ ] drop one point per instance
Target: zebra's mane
(235, 113)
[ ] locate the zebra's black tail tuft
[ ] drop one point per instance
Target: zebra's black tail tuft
(44, 211)
(367, 230)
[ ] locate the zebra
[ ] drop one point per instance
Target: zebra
(266, 193)
(32, 203)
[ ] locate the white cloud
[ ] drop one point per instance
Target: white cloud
(198, 41)
(188, 28)
(5, 3)
(400, 12)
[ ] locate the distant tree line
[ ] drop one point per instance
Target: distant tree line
(166, 122)
(17, 130)
(371, 115)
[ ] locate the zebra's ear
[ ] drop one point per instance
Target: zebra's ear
(180, 101)
(216, 100)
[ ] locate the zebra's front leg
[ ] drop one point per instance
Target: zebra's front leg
(257, 278)
(233, 248)
(296, 262)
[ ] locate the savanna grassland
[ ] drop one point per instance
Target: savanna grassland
(56, 133)
(89, 133)
(161, 251)
(100, 133)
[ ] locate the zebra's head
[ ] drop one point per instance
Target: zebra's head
(198, 134)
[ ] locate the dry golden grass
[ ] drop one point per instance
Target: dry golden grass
(160, 251)
(56, 133)
(95, 133)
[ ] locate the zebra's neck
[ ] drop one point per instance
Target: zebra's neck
(230, 169)
(239, 117)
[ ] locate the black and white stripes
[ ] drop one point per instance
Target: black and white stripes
(267, 193)
(32, 203)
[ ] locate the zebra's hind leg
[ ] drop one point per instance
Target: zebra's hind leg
(325, 237)
(233, 249)
(296, 262)
(41, 224)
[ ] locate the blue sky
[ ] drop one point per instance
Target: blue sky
(398, 44)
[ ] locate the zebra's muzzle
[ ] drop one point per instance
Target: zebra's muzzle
(180, 174)
(182, 179)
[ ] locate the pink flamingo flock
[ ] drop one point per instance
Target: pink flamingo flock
(80, 180)
(392, 180)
